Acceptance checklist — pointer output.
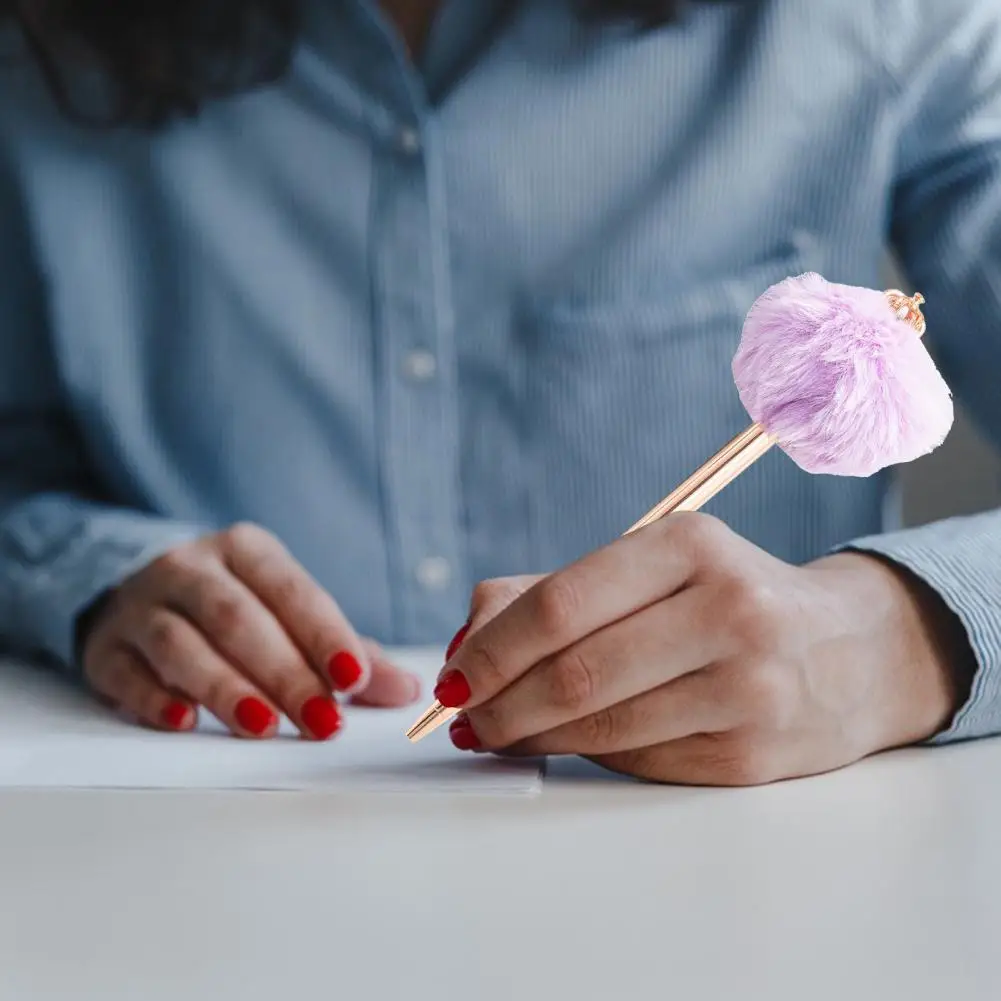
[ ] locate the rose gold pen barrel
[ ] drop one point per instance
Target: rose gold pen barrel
(707, 481)
(437, 715)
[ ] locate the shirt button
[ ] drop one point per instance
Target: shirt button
(420, 366)
(434, 573)
(409, 140)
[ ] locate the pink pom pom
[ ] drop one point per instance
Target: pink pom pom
(843, 384)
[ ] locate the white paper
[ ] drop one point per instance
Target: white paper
(52, 736)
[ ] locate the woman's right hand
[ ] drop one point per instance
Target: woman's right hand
(233, 623)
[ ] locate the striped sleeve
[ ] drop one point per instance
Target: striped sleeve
(946, 219)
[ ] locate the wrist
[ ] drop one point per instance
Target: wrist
(922, 643)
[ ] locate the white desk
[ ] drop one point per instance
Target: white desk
(879, 883)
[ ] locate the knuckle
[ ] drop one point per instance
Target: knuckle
(290, 591)
(489, 598)
(572, 681)
(164, 637)
(179, 562)
(224, 616)
(762, 691)
(500, 591)
(482, 594)
(557, 604)
(752, 613)
(485, 665)
(704, 535)
(605, 727)
(247, 537)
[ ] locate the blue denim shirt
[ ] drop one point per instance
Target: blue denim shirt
(443, 322)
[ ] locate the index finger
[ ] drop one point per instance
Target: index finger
(565, 607)
(310, 616)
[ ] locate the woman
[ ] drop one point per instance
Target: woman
(438, 292)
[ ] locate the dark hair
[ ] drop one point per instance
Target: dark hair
(159, 59)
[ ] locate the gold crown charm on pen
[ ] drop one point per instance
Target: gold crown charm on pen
(908, 309)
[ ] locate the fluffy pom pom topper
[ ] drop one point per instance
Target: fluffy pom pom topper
(841, 382)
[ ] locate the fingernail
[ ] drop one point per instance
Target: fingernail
(254, 716)
(175, 716)
(321, 717)
(344, 670)
(463, 736)
(457, 641)
(453, 690)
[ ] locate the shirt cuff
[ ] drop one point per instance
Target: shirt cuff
(960, 559)
(63, 554)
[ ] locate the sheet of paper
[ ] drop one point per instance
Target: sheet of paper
(52, 736)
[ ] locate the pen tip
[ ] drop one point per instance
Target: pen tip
(431, 719)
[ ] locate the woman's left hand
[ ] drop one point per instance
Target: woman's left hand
(685, 654)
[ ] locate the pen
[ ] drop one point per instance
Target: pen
(835, 314)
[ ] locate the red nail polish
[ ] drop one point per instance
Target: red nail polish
(254, 716)
(344, 670)
(321, 717)
(457, 641)
(453, 690)
(463, 736)
(175, 716)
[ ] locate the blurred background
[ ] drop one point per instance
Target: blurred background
(962, 477)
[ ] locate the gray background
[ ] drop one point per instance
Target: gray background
(963, 476)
